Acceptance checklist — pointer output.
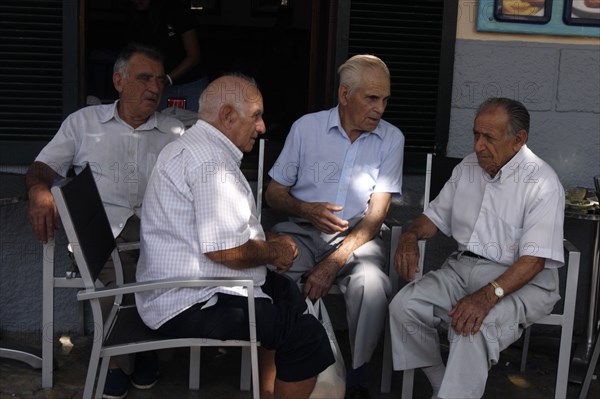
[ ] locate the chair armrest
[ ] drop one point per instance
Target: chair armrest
(569, 247)
(129, 288)
(391, 230)
(421, 244)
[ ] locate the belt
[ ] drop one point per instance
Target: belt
(472, 255)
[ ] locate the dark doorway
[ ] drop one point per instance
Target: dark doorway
(269, 41)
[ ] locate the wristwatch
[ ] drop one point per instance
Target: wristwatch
(498, 291)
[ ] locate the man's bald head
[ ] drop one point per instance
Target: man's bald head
(233, 104)
(233, 90)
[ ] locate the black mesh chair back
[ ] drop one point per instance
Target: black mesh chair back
(439, 171)
(122, 331)
(91, 236)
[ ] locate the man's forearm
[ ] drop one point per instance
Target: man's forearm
(251, 254)
(520, 273)
(288, 205)
(362, 233)
(278, 251)
(366, 229)
(39, 173)
(279, 198)
(422, 228)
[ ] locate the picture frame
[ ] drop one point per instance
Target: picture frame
(524, 11)
(557, 25)
(582, 12)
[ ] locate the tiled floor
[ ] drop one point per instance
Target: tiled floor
(220, 372)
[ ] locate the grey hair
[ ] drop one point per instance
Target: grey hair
(351, 70)
(134, 48)
(517, 113)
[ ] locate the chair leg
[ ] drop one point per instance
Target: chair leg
(48, 315)
(525, 349)
(590, 369)
(89, 382)
(255, 371)
(245, 369)
(386, 366)
(408, 377)
(195, 368)
(564, 358)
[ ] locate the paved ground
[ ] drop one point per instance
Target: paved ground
(220, 369)
(220, 372)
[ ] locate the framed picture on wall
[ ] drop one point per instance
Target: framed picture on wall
(526, 11)
(540, 17)
(582, 12)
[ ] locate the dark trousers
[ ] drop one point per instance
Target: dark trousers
(300, 341)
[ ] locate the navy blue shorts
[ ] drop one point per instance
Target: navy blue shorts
(300, 341)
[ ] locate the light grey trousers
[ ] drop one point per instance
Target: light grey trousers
(421, 306)
(362, 282)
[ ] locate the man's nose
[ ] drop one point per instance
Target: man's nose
(478, 143)
(261, 128)
(155, 85)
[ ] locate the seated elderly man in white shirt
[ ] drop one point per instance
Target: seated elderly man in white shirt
(504, 206)
(200, 220)
(121, 142)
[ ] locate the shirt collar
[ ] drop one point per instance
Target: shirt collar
(108, 113)
(334, 122)
(513, 166)
(227, 144)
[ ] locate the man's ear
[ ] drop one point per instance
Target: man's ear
(118, 81)
(522, 137)
(343, 93)
(227, 116)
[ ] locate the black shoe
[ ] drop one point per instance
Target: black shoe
(146, 373)
(117, 384)
(357, 393)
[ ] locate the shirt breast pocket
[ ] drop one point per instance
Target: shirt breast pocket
(501, 240)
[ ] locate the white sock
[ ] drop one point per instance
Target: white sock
(435, 375)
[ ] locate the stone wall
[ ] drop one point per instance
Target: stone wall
(558, 83)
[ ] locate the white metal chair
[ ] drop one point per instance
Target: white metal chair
(50, 281)
(585, 386)
(123, 332)
(438, 171)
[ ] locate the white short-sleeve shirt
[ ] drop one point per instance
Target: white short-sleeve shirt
(120, 156)
(518, 212)
(197, 201)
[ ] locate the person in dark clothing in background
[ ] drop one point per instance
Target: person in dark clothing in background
(171, 26)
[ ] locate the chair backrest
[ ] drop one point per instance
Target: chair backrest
(268, 152)
(438, 172)
(86, 224)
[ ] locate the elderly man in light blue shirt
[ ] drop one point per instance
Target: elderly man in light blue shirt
(335, 178)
